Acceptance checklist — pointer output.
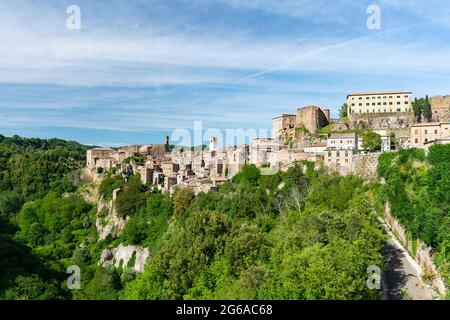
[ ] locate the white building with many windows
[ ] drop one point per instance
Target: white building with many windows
(383, 102)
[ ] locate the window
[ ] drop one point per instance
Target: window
(417, 140)
(398, 97)
(374, 104)
(353, 104)
(367, 104)
(417, 132)
(390, 103)
(398, 103)
(384, 103)
(435, 131)
(426, 131)
(406, 102)
(360, 104)
(360, 98)
(379, 103)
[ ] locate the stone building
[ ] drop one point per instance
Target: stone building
(340, 161)
(260, 150)
(168, 167)
(312, 118)
(101, 158)
(440, 106)
(146, 175)
(282, 124)
(426, 132)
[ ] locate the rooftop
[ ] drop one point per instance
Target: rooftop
(377, 93)
(429, 124)
(342, 135)
(285, 115)
(102, 149)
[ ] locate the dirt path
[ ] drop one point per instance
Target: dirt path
(402, 275)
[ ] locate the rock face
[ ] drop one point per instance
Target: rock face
(130, 257)
(108, 222)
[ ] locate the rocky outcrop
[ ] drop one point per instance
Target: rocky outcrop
(127, 257)
(108, 222)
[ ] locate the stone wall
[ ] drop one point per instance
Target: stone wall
(365, 166)
(421, 253)
(312, 118)
(440, 106)
(381, 121)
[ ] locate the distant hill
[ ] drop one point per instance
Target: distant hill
(31, 167)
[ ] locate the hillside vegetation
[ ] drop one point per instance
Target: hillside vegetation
(418, 188)
(302, 234)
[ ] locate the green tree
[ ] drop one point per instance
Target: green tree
(343, 111)
(371, 141)
(182, 200)
(132, 198)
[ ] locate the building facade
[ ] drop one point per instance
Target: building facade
(340, 161)
(343, 141)
(423, 133)
(383, 102)
(281, 124)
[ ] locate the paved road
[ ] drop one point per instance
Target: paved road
(402, 274)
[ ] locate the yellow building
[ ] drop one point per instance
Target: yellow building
(383, 102)
(423, 133)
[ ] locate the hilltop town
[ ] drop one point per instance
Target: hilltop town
(308, 135)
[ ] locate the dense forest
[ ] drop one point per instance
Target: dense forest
(299, 234)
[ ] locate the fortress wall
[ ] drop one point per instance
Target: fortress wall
(382, 121)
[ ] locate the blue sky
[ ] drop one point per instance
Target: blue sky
(137, 70)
